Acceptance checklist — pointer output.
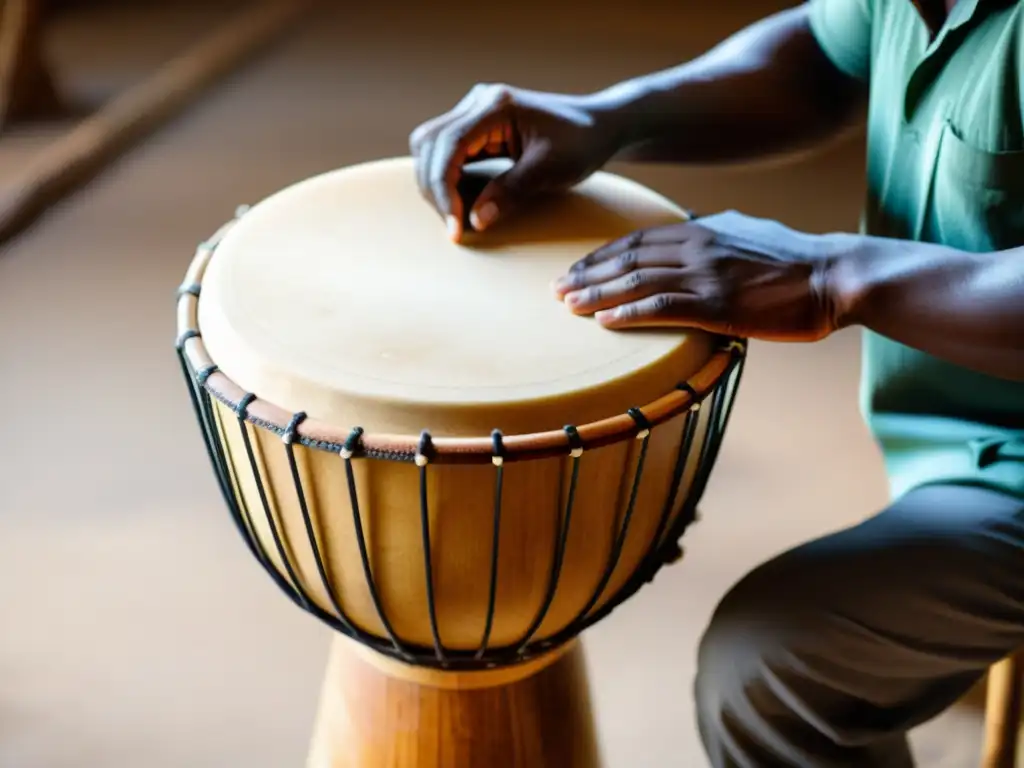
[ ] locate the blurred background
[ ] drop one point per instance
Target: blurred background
(135, 630)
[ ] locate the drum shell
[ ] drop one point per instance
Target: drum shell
(461, 513)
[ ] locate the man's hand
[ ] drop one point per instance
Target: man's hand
(729, 274)
(733, 274)
(554, 140)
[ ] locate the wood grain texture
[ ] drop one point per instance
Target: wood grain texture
(369, 718)
(1003, 713)
(556, 563)
(460, 513)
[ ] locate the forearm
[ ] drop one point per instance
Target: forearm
(966, 308)
(768, 89)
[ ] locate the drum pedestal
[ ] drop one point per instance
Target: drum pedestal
(379, 713)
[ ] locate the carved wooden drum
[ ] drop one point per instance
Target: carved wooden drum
(426, 451)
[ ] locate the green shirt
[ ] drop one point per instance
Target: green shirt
(945, 164)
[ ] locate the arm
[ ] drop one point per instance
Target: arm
(768, 89)
(786, 82)
(966, 308)
(737, 275)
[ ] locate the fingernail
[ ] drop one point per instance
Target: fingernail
(572, 298)
(606, 315)
(453, 227)
(481, 218)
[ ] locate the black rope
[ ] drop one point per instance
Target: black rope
(300, 495)
(691, 420)
(238, 509)
(722, 404)
(644, 433)
(573, 436)
(218, 449)
(732, 385)
(352, 443)
(672, 550)
(424, 448)
(347, 452)
(498, 458)
(194, 396)
(304, 600)
(684, 386)
(642, 424)
(205, 373)
(241, 410)
(292, 430)
(561, 537)
(497, 446)
(226, 473)
(191, 333)
(423, 453)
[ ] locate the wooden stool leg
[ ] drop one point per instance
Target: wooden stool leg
(377, 713)
(1002, 713)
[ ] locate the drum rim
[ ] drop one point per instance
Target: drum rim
(448, 449)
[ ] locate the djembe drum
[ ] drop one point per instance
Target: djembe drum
(429, 453)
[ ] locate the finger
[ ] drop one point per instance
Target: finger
(447, 157)
(452, 150)
(660, 310)
(495, 201)
(430, 127)
(477, 129)
(626, 289)
(494, 143)
(497, 198)
(671, 234)
(482, 148)
(526, 179)
(622, 264)
(438, 152)
(422, 138)
(423, 170)
(430, 137)
(488, 144)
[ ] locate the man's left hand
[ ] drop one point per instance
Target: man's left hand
(728, 273)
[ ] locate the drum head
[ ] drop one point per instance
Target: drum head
(343, 297)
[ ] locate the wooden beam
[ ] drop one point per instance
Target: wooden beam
(74, 159)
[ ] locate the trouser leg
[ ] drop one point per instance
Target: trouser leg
(825, 656)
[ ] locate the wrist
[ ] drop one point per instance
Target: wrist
(845, 280)
(878, 278)
(631, 112)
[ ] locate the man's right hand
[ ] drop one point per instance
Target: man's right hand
(554, 140)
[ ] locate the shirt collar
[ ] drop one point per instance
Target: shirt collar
(935, 16)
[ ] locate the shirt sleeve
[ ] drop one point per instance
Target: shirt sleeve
(843, 30)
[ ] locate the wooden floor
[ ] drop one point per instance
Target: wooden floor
(134, 630)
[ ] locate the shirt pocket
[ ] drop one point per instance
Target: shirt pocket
(977, 195)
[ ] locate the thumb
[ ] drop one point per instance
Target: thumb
(507, 192)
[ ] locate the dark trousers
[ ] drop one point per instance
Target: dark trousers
(825, 656)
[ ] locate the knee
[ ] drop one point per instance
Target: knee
(769, 651)
(754, 633)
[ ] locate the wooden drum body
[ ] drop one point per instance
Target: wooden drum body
(384, 413)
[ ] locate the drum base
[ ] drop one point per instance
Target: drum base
(378, 713)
